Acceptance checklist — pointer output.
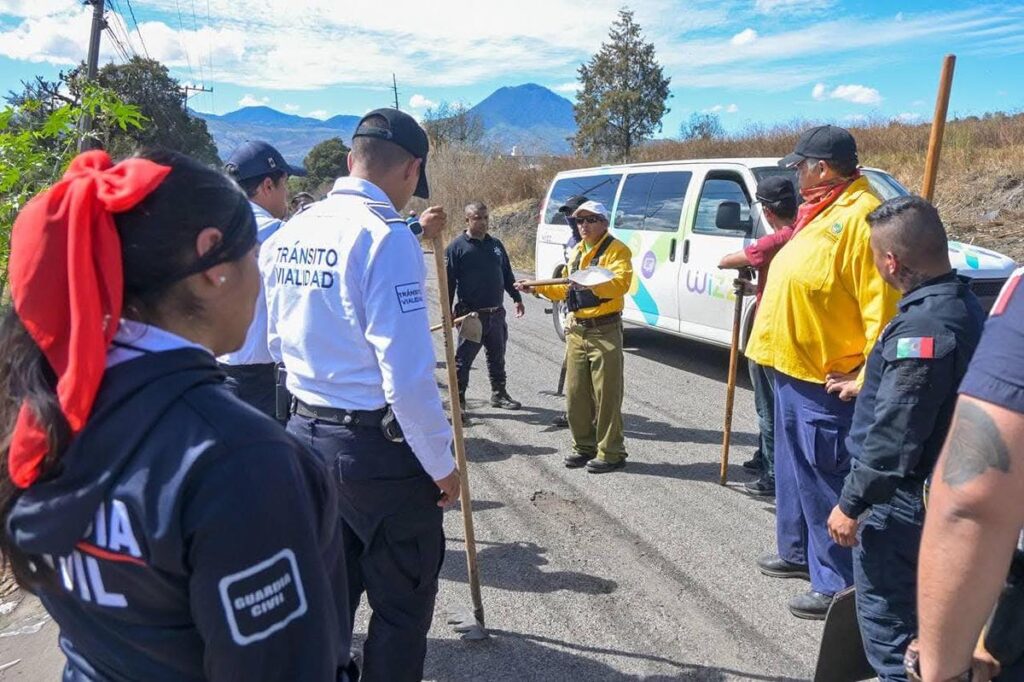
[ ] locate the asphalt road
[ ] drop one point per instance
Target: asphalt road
(643, 574)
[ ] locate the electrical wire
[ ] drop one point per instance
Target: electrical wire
(181, 27)
(138, 30)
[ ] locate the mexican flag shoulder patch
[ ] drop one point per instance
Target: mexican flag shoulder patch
(915, 347)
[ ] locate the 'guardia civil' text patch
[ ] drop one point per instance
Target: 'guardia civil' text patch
(262, 599)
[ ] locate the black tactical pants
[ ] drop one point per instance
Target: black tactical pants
(495, 338)
(254, 384)
(393, 537)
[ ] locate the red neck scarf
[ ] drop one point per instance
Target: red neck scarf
(67, 285)
(818, 198)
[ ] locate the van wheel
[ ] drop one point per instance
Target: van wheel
(558, 313)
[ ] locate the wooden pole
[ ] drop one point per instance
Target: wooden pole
(460, 444)
(931, 165)
(730, 391)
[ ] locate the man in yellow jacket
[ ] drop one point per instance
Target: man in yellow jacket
(822, 310)
(593, 349)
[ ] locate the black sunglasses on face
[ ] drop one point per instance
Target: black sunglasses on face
(589, 219)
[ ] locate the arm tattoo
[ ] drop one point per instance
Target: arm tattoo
(975, 446)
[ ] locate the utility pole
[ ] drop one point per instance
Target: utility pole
(394, 85)
(191, 88)
(85, 143)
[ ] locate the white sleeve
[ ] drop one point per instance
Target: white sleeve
(269, 283)
(398, 328)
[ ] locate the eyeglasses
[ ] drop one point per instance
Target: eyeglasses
(589, 219)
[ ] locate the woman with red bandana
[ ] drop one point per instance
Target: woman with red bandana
(171, 531)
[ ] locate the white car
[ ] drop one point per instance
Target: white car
(679, 218)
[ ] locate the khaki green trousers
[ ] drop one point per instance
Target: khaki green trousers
(593, 390)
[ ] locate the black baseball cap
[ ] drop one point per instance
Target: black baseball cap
(255, 158)
(775, 189)
(572, 203)
(824, 142)
(403, 130)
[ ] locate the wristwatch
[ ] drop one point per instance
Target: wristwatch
(414, 225)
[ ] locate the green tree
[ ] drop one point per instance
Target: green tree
(325, 163)
(701, 127)
(38, 139)
(622, 93)
(452, 124)
(147, 84)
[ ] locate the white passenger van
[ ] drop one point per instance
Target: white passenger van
(679, 218)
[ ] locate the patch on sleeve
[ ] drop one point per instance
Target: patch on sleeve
(385, 212)
(1006, 295)
(410, 297)
(262, 599)
(916, 347)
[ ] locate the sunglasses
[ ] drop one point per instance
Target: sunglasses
(589, 219)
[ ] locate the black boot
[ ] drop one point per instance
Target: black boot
(501, 398)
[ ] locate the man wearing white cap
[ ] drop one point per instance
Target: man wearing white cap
(594, 359)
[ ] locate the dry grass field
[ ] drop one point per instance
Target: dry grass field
(980, 188)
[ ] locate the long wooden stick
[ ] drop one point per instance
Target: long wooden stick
(455, 323)
(460, 444)
(931, 164)
(730, 391)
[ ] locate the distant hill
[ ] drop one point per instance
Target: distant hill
(529, 117)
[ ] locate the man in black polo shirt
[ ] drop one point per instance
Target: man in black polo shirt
(480, 272)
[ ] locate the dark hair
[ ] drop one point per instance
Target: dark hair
(475, 207)
(912, 229)
(784, 208)
(844, 167)
(375, 153)
(158, 239)
(251, 185)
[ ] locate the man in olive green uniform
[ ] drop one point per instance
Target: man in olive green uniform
(594, 358)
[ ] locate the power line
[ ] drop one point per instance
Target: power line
(125, 38)
(181, 27)
(195, 26)
(138, 30)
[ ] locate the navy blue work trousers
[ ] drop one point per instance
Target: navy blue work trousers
(254, 384)
(811, 463)
(885, 573)
(494, 342)
(393, 538)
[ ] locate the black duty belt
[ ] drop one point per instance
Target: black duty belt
(599, 321)
(367, 418)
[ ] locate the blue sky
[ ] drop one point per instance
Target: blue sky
(750, 61)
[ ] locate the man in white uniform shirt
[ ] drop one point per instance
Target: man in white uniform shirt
(347, 303)
(263, 175)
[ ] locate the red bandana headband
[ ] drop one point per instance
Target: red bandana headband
(67, 284)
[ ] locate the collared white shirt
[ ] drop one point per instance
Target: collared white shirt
(347, 311)
(255, 351)
(134, 339)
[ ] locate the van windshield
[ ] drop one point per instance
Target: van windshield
(882, 184)
(600, 187)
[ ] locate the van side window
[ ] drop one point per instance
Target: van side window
(601, 187)
(722, 188)
(652, 201)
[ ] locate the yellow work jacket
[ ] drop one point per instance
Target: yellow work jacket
(825, 303)
(617, 258)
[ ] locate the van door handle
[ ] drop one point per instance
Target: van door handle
(672, 251)
(686, 250)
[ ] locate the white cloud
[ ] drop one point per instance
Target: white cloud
(720, 108)
(291, 108)
(856, 118)
(250, 101)
(320, 114)
(420, 102)
(791, 6)
(570, 88)
(744, 37)
(858, 94)
(909, 117)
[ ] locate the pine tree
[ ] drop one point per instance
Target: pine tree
(622, 95)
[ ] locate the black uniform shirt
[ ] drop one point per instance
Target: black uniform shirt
(996, 374)
(479, 270)
(910, 388)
